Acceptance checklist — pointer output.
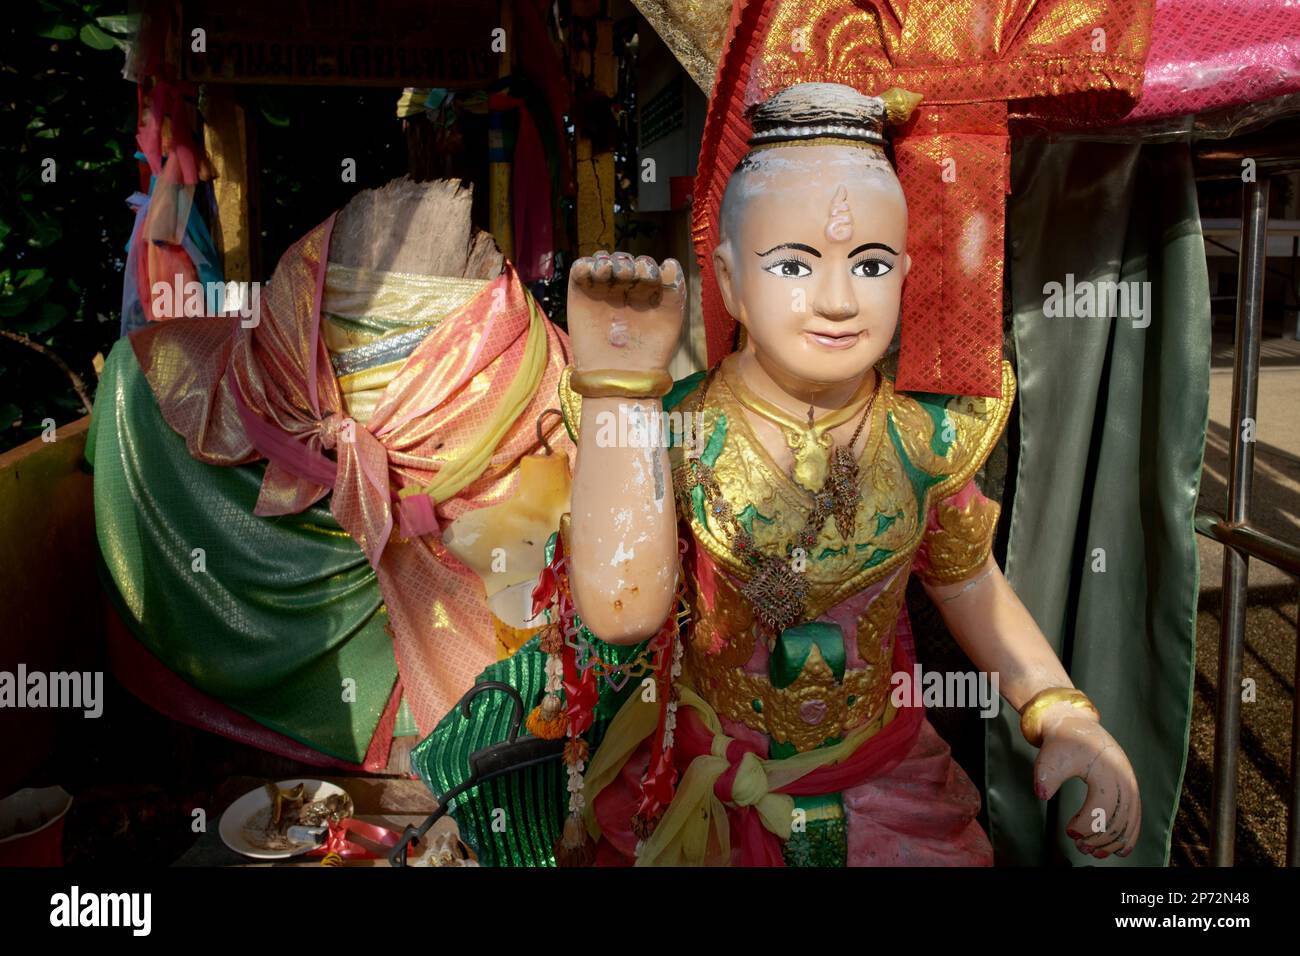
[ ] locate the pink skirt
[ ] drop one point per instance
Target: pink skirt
(921, 813)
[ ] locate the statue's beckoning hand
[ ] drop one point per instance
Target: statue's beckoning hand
(1111, 816)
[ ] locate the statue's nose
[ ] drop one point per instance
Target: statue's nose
(835, 299)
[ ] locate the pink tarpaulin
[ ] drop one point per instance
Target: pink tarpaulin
(1211, 54)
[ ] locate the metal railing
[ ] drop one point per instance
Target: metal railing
(1240, 538)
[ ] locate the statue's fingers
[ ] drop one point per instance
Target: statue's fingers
(1130, 840)
(603, 272)
(647, 270)
(1101, 818)
(1115, 790)
(622, 271)
(645, 281)
(1052, 767)
(580, 272)
(624, 267)
(1122, 842)
(1135, 821)
(1110, 849)
(1111, 840)
(671, 276)
(598, 280)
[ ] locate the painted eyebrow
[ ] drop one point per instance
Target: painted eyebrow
(793, 245)
(871, 245)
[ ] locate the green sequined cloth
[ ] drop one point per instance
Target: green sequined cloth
(515, 819)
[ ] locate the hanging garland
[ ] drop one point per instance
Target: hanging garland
(574, 673)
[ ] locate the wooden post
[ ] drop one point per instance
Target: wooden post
(596, 169)
(501, 222)
(229, 137)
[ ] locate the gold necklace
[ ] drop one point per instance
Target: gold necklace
(778, 593)
(810, 441)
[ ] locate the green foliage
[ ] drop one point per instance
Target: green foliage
(68, 127)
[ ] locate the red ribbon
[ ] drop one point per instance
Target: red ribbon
(340, 843)
(659, 784)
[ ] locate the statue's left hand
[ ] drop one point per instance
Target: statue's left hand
(1076, 745)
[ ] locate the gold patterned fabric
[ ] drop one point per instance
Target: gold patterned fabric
(1045, 54)
(372, 321)
(693, 30)
(920, 511)
(395, 300)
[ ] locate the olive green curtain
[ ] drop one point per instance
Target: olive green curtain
(280, 618)
(1112, 432)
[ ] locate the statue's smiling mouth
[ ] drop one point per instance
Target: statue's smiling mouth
(834, 340)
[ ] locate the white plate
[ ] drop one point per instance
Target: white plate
(242, 810)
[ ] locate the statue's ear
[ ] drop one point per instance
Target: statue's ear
(907, 264)
(723, 270)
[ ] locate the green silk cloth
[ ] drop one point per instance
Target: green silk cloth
(285, 622)
(1112, 433)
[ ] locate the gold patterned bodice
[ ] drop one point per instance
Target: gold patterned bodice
(829, 673)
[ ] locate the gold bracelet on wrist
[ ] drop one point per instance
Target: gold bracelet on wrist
(617, 383)
(1031, 718)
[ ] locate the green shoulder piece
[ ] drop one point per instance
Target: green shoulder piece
(936, 406)
(948, 437)
(681, 388)
(920, 479)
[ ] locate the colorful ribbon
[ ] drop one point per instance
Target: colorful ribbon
(339, 846)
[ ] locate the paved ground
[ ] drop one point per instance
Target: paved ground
(1264, 787)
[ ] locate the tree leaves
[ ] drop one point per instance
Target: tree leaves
(54, 30)
(65, 143)
(43, 229)
(96, 38)
(16, 297)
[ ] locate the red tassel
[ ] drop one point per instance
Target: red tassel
(659, 784)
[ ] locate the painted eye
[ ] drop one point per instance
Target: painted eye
(872, 268)
(789, 269)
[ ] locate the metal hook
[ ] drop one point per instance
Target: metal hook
(541, 438)
(516, 718)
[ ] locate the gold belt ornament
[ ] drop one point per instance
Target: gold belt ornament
(813, 709)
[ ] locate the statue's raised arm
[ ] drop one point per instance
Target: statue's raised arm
(625, 315)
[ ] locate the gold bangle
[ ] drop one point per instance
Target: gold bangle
(617, 383)
(1031, 718)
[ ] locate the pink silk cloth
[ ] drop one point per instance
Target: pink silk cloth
(239, 394)
(1211, 54)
